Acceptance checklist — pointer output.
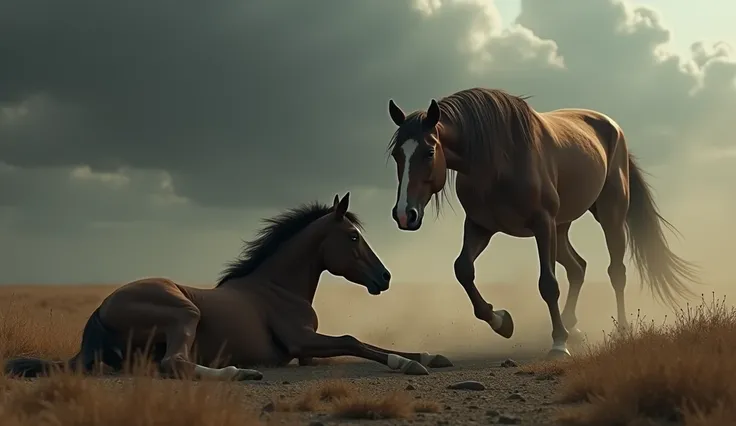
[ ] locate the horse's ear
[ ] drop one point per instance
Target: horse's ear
(397, 115)
(335, 201)
(433, 116)
(342, 206)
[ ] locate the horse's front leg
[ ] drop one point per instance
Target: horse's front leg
(544, 228)
(425, 358)
(315, 345)
(475, 240)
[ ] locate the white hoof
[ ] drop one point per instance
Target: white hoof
(558, 352)
(406, 366)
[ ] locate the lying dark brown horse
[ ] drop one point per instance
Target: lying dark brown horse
(260, 312)
(525, 173)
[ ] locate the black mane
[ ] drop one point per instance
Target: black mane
(276, 231)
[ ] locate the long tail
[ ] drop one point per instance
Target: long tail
(664, 272)
(98, 345)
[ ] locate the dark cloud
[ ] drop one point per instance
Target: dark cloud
(206, 116)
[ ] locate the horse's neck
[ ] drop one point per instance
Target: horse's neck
(296, 267)
(452, 150)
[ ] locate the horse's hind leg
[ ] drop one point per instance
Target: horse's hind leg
(575, 267)
(611, 209)
(179, 339)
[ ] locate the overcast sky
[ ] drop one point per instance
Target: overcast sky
(147, 138)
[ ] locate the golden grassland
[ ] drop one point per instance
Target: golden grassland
(679, 372)
(46, 321)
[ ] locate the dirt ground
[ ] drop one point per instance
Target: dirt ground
(682, 379)
(521, 397)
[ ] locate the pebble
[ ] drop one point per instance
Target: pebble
(410, 387)
(509, 363)
(515, 397)
(468, 385)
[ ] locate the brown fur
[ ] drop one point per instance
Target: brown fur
(527, 174)
(260, 313)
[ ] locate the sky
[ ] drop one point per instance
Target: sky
(149, 138)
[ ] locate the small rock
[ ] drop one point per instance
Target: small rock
(417, 397)
(468, 385)
(524, 373)
(285, 382)
(509, 363)
(515, 397)
(492, 374)
(410, 387)
(492, 413)
(508, 419)
(473, 407)
(447, 407)
(268, 408)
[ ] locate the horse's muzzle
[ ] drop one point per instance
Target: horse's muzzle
(379, 281)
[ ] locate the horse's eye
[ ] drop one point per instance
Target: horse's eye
(354, 236)
(430, 153)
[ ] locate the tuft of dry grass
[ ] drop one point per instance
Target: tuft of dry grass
(680, 372)
(426, 407)
(344, 400)
(316, 398)
(395, 405)
(65, 399)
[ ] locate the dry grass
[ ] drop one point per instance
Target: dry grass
(344, 400)
(46, 322)
(73, 400)
(680, 372)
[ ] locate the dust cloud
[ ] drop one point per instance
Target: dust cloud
(439, 317)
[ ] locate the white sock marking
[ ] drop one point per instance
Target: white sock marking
(396, 362)
(225, 373)
(425, 358)
(561, 347)
(408, 147)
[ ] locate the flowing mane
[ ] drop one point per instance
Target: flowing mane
(276, 231)
(493, 127)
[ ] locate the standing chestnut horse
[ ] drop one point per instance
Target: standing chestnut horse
(260, 312)
(525, 173)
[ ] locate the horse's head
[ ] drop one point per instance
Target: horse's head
(420, 163)
(346, 253)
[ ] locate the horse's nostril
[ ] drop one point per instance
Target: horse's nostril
(412, 215)
(386, 276)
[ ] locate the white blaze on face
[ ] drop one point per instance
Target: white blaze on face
(408, 148)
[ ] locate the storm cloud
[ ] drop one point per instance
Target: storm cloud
(126, 126)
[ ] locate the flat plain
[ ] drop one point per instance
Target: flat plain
(676, 371)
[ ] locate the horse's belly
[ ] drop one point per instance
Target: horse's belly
(581, 174)
(246, 344)
(578, 189)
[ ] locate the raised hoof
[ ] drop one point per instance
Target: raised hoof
(555, 354)
(439, 361)
(507, 324)
(247, 374)
(414, 368)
